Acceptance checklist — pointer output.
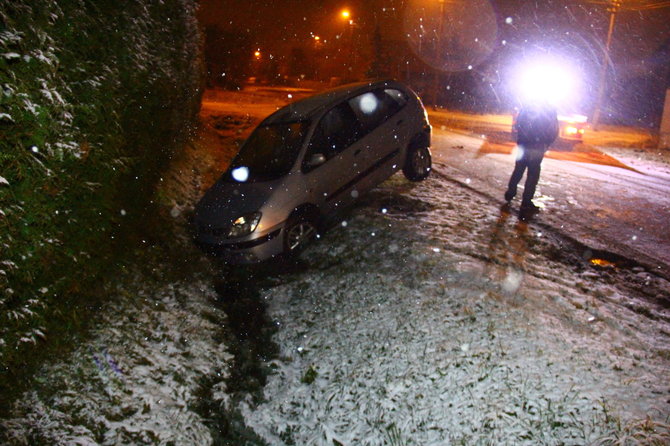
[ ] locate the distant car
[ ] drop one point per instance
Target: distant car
(306, 161)
(571, 128)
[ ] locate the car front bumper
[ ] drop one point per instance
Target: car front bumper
(255, 250)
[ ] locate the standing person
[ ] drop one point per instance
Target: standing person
(536, 128)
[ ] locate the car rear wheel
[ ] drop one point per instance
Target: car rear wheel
(299, 230)
(418, 164)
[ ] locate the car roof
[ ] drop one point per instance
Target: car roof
(311, 106)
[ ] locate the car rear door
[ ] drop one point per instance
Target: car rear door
(385, 134)
(337, 137)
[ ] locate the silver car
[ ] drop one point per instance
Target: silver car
(306, 161)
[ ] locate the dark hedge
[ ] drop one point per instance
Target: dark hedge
(97, 95)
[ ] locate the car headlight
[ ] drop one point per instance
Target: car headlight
(245, 225)
(570, 130)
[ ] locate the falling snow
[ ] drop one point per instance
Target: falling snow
(423, 317)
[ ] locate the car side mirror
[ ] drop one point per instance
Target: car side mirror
(316, 160)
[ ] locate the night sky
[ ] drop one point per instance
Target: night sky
(505, 31)
(637, 33)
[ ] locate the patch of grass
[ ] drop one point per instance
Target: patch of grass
(225, 423)
(637, 432)
(310, 375)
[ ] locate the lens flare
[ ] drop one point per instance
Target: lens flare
(368, 103)
(241, 174)
(451, 35)
(546, 80)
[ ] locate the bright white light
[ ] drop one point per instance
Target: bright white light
(518, 152)
(546, 80)
(368, 103)
(241, 174)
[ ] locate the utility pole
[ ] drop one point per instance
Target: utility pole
(438, 59)
(613, 9)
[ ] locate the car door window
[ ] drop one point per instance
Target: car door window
(336, 131)
(369, 109)
(375, 107)
(271, 150)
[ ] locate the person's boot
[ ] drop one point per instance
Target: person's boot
(529, 207)
(509, 195)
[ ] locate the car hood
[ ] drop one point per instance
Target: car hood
(227, 200)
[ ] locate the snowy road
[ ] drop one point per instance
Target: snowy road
(609, 208)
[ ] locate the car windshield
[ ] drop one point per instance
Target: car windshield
(269, 153)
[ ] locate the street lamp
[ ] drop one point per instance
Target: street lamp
(615, 5)
(256, 64)
(345, 15)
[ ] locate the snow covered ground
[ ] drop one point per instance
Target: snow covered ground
(427, 315)
(432, 318)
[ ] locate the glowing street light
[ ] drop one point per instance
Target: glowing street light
(257, 54)
(345, 14)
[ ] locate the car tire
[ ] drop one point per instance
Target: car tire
(300, 229)
(418, 164)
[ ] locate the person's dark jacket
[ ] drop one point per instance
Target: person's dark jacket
(536, 126)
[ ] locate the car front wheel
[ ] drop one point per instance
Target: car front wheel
(418, 164)
(299, 230)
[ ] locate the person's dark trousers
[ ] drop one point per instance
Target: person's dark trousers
(530, 159)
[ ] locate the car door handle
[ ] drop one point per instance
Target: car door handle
(357, 152)
(400, 122)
